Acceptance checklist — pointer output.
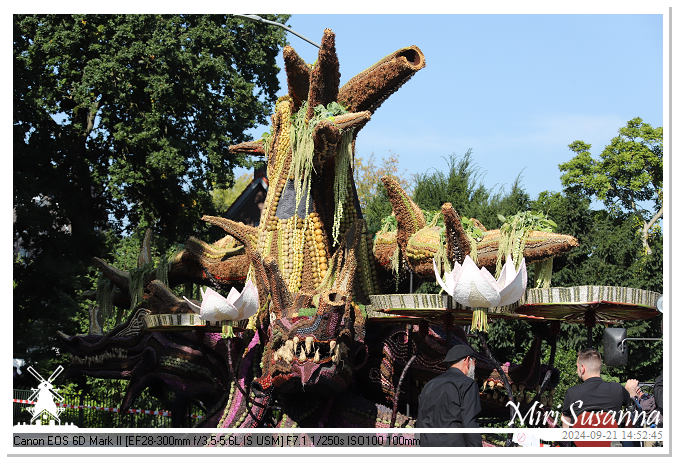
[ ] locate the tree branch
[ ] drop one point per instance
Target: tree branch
(90, 117)
(647, 227)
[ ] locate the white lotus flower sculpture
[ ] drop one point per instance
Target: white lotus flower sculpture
(235, 307)
(477, 288)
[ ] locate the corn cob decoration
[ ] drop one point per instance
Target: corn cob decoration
(311, 201)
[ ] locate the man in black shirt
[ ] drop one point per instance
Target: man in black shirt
(593, 394)
(451, 400)
(657, 392)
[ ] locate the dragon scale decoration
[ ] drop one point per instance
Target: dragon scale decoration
(315, 353)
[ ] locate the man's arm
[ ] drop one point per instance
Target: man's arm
(632, 389)
(566, 418)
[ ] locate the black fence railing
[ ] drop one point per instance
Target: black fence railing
(102, 412)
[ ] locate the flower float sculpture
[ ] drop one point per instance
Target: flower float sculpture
(478, 289)
(312, 354)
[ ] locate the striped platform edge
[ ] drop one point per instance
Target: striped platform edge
(607, 304)
(381, 316)
(183, 321)
(429, 305)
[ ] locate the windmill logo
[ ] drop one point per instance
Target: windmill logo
(45, 408)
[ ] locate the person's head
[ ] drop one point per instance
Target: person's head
(462, 357)
(588, 364)
(467, 365)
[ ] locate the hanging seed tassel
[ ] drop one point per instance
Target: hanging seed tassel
(105, 297)
(136, 286)
(515, 232)
(343, 166)
(543, 272)
(163, 270)
(480, 320)
(227, 331)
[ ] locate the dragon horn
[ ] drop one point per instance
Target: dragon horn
(249, 148)
(324, 79)
(299, 76)
(457, 243)
(369, 89)
(246, 235)
(409, 217)
(119, 278)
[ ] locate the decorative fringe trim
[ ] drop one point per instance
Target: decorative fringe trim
(344, 164)
(163, 270)
(543, 273)
(136, 285)
(515, 231)
(104, 297)
(480, 320)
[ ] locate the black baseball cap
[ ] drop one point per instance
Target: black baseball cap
(459, 352)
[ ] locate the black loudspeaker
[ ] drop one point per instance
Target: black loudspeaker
(615, 353)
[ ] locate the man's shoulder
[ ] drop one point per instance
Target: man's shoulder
(613, 386)
(597, 384)
(573, 391)
(575, 388)
(458, 376)
(449, 376)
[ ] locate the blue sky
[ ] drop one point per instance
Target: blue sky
(515, 89)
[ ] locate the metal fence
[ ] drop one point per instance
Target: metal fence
(102, 412)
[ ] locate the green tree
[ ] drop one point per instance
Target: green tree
(122, 122)
(628, 174)
(372, 195)
(223, 198)
(461, 185)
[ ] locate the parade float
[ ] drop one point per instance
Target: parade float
(296, 325)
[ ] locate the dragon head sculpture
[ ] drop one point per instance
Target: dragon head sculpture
(312, 341)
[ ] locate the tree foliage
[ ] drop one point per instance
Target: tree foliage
(462, 186)
(372, 195)
(122, 122)
(628, 173)
(223, 198)
(131, 116)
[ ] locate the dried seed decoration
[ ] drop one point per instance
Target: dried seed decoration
(344, 166)
(514, 234)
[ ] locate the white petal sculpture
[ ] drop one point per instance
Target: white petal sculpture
(512, 282)
(477, 288)
(235, 307)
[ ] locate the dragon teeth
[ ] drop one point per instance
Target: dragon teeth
(317, 356)
(302, 356)
(284, 353)
(308, 342)
(288, 354)
(333, 344)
